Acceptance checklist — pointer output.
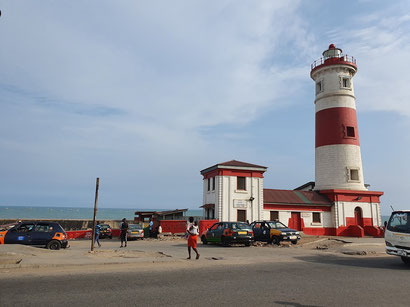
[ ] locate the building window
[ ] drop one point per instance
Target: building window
(354, 174)
(241, 183)
(350, 132)
(345, 82)
(316, 217)
(319, 87)
(209, 184)
(274, 215)
(213, 183)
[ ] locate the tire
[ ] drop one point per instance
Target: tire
(275, 241)
(54, 245)
(406, 260)
(224, 242)
(294, 242)
(248, 244)
(204, 240)
(110, 237)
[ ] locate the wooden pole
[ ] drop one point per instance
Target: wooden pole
(97, 184)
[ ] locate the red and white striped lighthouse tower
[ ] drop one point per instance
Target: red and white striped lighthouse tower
(338, 162)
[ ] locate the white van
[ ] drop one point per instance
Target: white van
(397, 235)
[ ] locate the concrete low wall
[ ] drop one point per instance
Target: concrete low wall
(68, 225)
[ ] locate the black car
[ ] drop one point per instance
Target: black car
(105, 231)
(274, 232)
(228, 233)
(49, 234)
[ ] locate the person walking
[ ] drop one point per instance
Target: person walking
(192, 231)
(124, 231)
(97, 235)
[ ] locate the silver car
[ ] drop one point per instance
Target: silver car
(135, 231)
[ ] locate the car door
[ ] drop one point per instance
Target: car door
(265, 232)
(41, 234)
(257, 233)
(19, 234)
(218, 232)
(210, 236)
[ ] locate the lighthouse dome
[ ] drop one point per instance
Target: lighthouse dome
(332, 52)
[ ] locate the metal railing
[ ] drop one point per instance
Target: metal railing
(333, 60)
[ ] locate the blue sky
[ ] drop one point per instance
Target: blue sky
(146, 94)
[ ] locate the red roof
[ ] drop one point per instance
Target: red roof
(294, 197)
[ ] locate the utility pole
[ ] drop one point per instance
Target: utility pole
(97, 184)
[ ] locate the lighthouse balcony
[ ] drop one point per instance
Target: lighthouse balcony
(338, 60)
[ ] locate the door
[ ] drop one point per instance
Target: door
(20, 234)
(296, 222)
(257, 231)
(218, 232)
(358, 216)
(241, 216)
(42, 234)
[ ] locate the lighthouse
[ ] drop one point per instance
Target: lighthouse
(338, 162)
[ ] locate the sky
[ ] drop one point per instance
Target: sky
(145, 94)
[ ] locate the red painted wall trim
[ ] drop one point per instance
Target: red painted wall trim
(320, 231)
(352, 196)
(331, 126)
(229, 172)
(296, 207)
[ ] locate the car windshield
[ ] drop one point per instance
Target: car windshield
(276, 225)
(134, 226)
(399, 222)
(103, 227)
(241, 226)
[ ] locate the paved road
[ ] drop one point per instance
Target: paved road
(311, 280)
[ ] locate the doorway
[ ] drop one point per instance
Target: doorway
(296, 223)
(241, 215)
(358, 216)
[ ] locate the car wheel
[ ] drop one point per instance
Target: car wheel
(54, 245)
(110, 237)
(224, 242)
(204, 240)
(275, 241)
(294, 242)
(248, 244)
(406, 260)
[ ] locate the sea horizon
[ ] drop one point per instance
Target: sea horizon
(65, 212)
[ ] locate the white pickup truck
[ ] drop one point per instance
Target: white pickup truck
(397, 235)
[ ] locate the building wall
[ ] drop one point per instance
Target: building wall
(306, 215)
(228, 199)
(370, 213)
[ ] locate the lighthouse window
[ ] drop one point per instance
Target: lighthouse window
(241, 183)
(354, 174)
(345, 82)
(319, 87)
(350, 132)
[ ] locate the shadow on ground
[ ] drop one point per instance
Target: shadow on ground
(390, 263)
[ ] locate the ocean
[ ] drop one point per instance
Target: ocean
(58, 213)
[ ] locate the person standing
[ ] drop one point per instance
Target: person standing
(97, 235)
(151, 228)
(124, 231)
(192, 231)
